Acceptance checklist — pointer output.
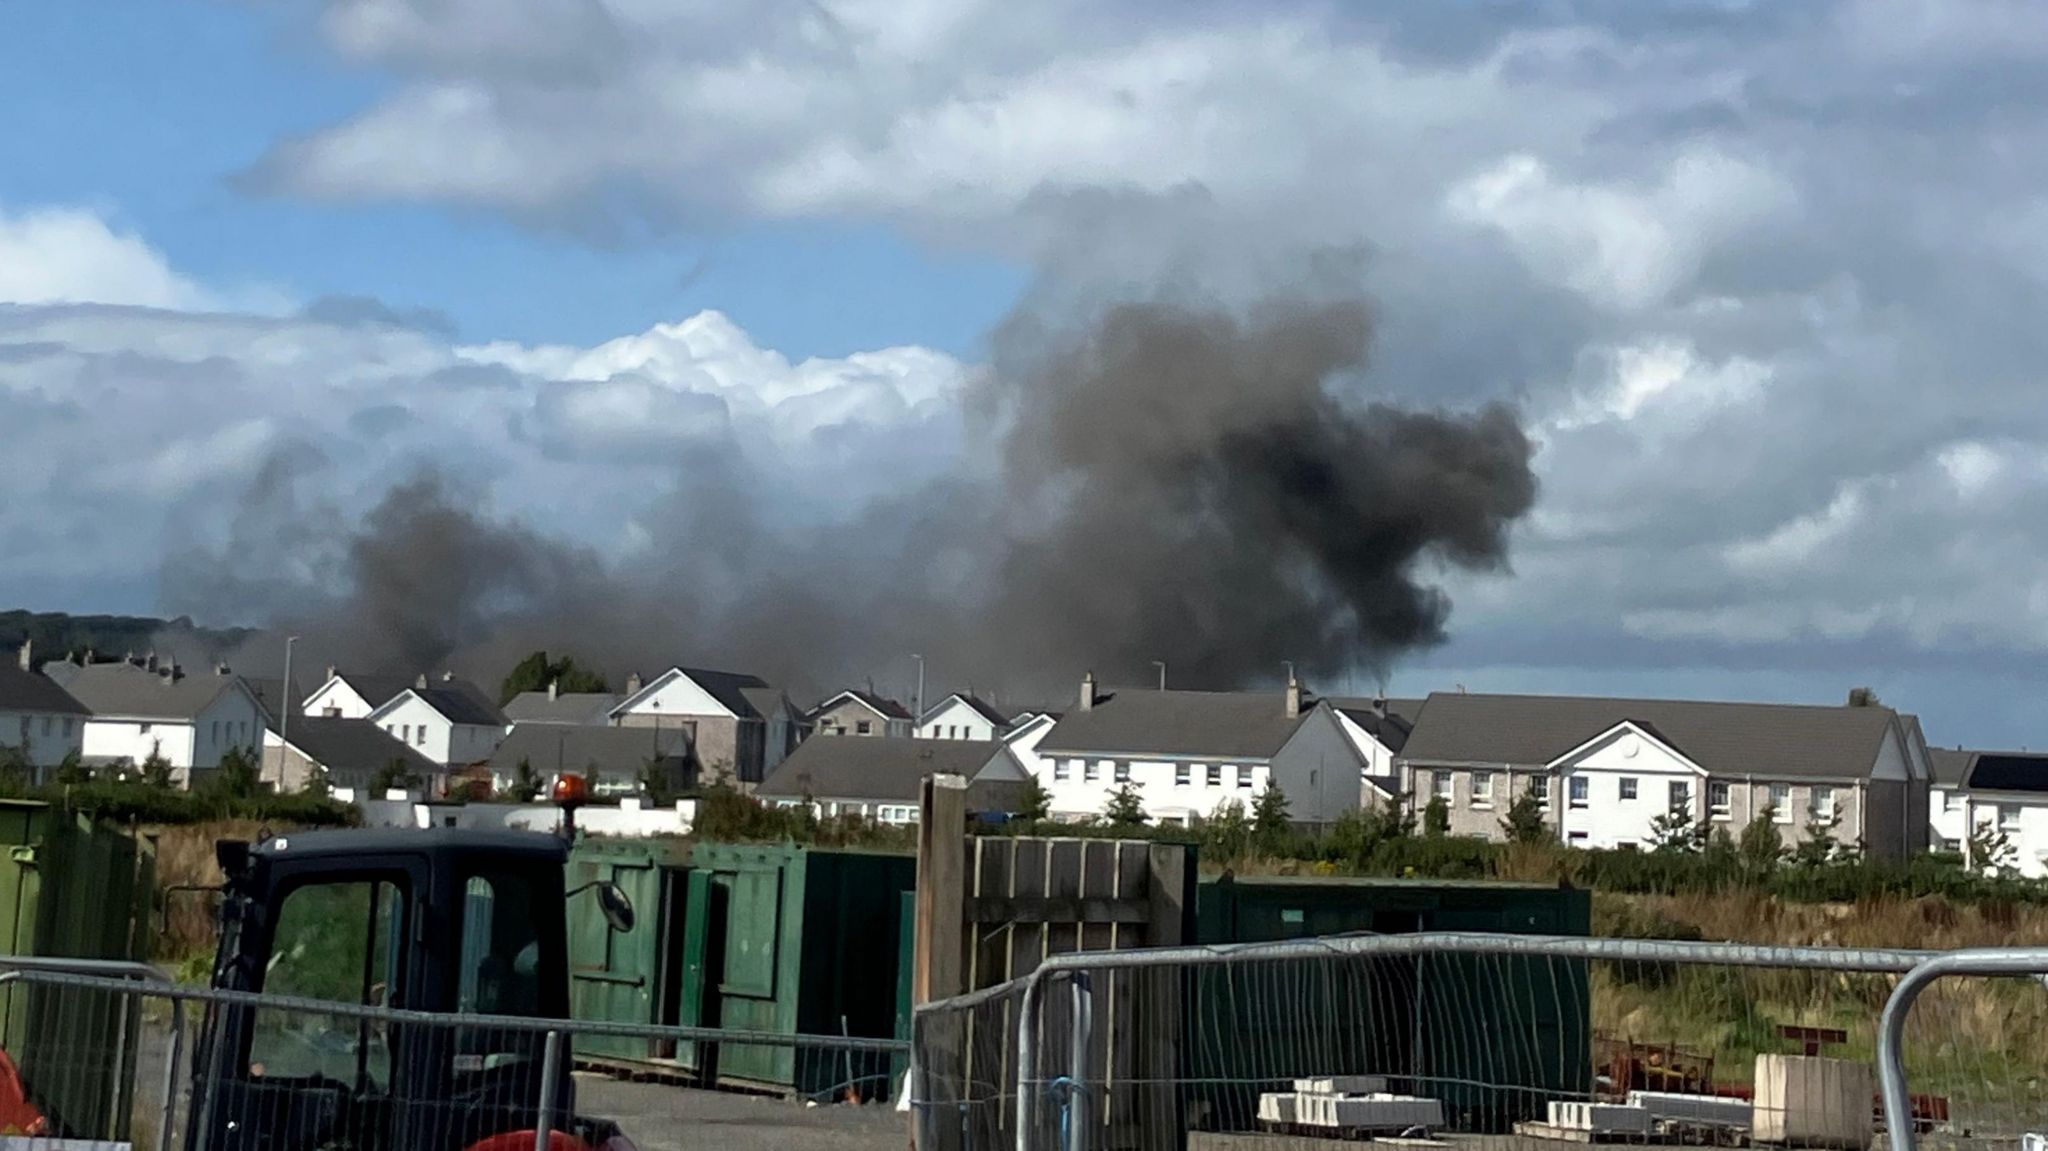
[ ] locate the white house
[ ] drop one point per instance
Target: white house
(1187, 753)
(2004, 796)
(1605, 770)
(963, 716)
(1025, 734)
(1378, 728)
(857, 712)
(345, 753)
(741, 727)
(1948, 827)
(146, 708)
(448, 720)
(350, 696)
(37, 717)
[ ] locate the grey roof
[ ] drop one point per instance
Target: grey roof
(1767, 739)
(1951, 765)
(888, 769)
(274, 697)
(458, 701)
(579, 707)
(981, 707)
(553, 747)
(734, 691)
(123, 689)
(1211, 724)
(26, 691)
(880, 704)
(763, 699)
(376, 690)
(353, 746)
(2008, 770)
(1391, 729)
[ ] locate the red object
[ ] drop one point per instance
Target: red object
(17, 1115)
(1812, 1038)
(571, 791)
(523, 1141)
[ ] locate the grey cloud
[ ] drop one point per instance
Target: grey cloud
(350, 310)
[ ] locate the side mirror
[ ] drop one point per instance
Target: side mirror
(617, 907)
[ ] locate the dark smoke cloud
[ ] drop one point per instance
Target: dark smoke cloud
(1174, 482)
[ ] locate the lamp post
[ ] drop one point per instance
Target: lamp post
(1161, 665)
(917, 702)
(284, 715)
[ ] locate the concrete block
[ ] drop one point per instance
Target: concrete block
(1278, 1107)
(1343, 1085)
(1378, 1112)
(1813, 1101)
(1707, 1110)
(1600, 1118)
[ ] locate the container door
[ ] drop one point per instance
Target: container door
(749, 991)
(700, 961)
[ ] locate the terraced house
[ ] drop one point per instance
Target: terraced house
(1604, 770)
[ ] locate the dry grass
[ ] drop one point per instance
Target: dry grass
(184, 855)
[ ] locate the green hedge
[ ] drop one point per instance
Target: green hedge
(142, 803)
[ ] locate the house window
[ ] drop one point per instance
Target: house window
(49, 724)
(1824, 803)
(215, 730)
(2008, 817)
(1576, 836)
(1092, 773)
(1717, 799)
(67, 726)
(1628, 788)
(1123, 773)
(1215, 775)
(1951, 801)
(1578, 789)
(142, 728)
(1539, 786)
(1482, 789)
(1681, 797)
(1244, 777)
(863, 727)
(1440, 785)
(1062, 771)
(1182, 774)
(1780, 799)
(421, 736)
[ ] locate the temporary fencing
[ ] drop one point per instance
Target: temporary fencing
(1520, 1039)
(116, 1060)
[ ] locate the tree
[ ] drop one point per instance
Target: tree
(1227, 834)
(1271, 829)
(15, 770)
(536, 671)
(654, 781)
(1864, 697)
(72, 771)
(1523, 822)
(1990, 850)
(393, 776)
(156, 770)
(1035, 803)
(1677, 832)
(1126, 808)
(1761, 847)
(1820, 845)
(526, 783)
(237, 777)
(316, 784)
(1436, 818)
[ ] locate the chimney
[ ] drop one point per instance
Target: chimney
(330, 673)
(1088, 692)
(1293, 696)
(420, 683)
(149, 661)
(554, 689)
(27, 652)
(1379, 706)
(220, 669)
(633, 683)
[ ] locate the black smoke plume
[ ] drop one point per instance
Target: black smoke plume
(1204, 486)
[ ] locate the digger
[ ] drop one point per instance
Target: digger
(441, 921)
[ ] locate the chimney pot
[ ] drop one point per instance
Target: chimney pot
(633, 683)
(554, 689)
(28, 655)
(421, 682)
(447, 677)
(330, 671)
(149, 661)
(1379, 706)
(1293, 696)
(1088, 692)
(220, 669)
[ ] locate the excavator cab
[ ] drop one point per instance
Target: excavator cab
(443, 920)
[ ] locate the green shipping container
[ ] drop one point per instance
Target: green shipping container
(1495, 1038)
(626, 977)
(76, 889)
(794, 940)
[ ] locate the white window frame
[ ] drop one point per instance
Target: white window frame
(1627, 788)
(1539, 786)
(1780, 812)
(1578, 792)
(1678, 796)
(1215, 775)
(1062, 771)
(1724, 807)
(1121, 771)
(1819, 809)
(1482, 790)
(1952, 800)
(1244, 777)
(1442, 785)
(1091, 771)
(1183, 774)
(2009, 816)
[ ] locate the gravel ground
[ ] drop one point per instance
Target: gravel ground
(658, 1117)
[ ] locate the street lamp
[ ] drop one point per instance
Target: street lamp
(917, 701)
(1161, 665)
(284, 716)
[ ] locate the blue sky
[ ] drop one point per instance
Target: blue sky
(1761, 283)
